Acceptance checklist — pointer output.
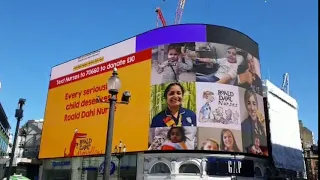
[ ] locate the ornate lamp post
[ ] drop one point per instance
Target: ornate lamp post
(19, 116)
(114, 85)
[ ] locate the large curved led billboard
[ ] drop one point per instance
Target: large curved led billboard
(193, 86)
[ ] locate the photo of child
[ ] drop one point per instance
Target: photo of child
(255, 149)
(176, 139)
(172, 138)
(217, 105)
(210, 145)
(219, 139)
(172, 64)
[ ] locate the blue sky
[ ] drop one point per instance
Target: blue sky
(36, 35)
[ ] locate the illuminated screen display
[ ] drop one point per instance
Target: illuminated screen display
(194, 87)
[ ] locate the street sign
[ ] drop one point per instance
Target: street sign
(112, 168)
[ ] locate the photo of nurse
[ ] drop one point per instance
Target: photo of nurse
(253, 125)
(173, 110)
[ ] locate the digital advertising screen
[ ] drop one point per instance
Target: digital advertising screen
(190, 91)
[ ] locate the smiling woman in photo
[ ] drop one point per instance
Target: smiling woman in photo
(252, 126)
(174, 115)
(228, 142)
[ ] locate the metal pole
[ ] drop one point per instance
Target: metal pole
(19, 115)
(108, 149)
(13, 148)
(119, 167)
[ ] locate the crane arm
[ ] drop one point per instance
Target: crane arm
(285, 83)
(161, 17)
(179, 11)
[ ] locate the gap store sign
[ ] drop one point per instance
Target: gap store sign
(227, 167)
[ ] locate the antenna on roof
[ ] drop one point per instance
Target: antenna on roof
(269, 78)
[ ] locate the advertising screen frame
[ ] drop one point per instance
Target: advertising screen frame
(183, 33)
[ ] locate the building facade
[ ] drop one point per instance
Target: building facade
(143, 166)
(4, 133)
(311, 160)
(310, 149)
(306, 134)
(25, 160)
(285, 144)
(4, 140)
(30, 138)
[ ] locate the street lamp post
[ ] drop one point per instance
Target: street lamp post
(113, 85)
(18, 115)
(120, 151)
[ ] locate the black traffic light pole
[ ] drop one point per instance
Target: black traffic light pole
(18, 115)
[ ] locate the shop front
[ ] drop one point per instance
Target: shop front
(124, 168)
(200, 166)
(57, 169)
(89, 168)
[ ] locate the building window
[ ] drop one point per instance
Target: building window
(189, 168)
(92, 174)
(160, 168)
(1, 144)
(128, 169)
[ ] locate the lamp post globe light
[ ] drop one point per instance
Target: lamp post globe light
(114, 85)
